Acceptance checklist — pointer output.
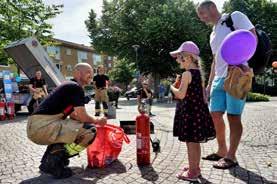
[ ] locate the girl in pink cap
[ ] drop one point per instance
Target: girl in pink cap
(192, 122)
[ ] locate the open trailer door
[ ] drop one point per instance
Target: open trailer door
(31, 56)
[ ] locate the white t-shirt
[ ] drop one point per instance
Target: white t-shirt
(220, 31)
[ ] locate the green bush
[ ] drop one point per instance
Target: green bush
(257, 97)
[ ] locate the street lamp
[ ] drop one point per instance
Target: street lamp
(136, 47)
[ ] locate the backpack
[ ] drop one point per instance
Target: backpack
(263, 51)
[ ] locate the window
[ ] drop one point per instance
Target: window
(54, 52)
(69, 77)
(110, 58)
(110, 65)
(97, 59)
(69, 68)
(59, 66)
(82, 56)
(68, 51)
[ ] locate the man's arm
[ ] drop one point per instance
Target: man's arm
(80, 114)
(148, 94)
(107, 82)
(44, 86)
(45, 89)
(212, 73)
(138, 99)
(211, 78)
(33, 90)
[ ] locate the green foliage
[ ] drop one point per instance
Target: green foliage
(260, 12)
(24, 18)
(256, 97)
(122, 72)
(157, 26)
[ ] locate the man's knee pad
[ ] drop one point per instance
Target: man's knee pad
(85, 138)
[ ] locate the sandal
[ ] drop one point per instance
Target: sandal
(212, 157)
(189, 176)
(225, 163)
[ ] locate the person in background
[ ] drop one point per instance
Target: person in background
(161, 92)
(145, 94)
(38, 89)
(117, 91)
(101, 82)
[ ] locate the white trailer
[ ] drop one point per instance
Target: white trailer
(30, 56)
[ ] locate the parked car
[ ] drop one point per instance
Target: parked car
(132, 93)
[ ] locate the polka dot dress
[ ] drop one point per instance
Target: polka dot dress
(192, 121)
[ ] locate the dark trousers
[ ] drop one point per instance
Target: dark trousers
(97, 107)
(32, 104)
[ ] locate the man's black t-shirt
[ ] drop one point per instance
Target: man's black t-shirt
(68, 93)
(142, 93)
(100, 80)
(37, 83)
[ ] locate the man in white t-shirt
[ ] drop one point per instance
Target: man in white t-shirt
(220, 101)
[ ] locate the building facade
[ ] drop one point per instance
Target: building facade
(66, 55)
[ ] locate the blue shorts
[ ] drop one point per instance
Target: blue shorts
(221, 101)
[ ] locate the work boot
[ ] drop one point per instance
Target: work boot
(54, 162)
(106, 115)
(49, 147)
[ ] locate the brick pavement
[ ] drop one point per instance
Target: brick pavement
(257, 154)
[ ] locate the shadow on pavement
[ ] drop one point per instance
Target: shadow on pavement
(81, 175)
(203, 181)
(244, 175)
(148, 173)
(97, 174)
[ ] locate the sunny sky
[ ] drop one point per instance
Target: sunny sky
(69, 25)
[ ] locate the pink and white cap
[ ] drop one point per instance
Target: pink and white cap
(187, 46)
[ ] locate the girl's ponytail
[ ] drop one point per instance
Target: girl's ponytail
(197, 61)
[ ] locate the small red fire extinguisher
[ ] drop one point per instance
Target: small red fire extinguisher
(2, 111)
(143, 139)
(10, 110)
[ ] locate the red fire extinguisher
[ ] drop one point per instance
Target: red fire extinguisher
(143, 139)
(2, 111)
(10, 110)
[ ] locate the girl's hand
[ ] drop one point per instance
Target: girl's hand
(178, 78)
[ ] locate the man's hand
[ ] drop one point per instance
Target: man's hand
(208, 91)
(101, 121)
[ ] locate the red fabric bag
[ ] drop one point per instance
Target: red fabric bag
(106, 146)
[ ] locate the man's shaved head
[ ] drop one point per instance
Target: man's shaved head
(208, 12)
(83, 73)
(82, 66)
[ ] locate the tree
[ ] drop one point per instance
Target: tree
(157, 26)
(122, 72)
(24, 18)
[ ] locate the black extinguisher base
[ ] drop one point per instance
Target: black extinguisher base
(156, 145)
